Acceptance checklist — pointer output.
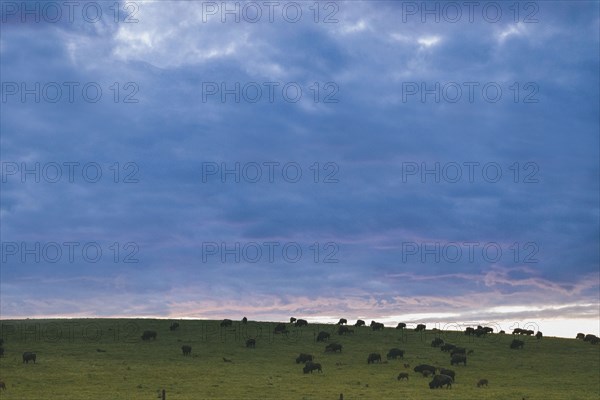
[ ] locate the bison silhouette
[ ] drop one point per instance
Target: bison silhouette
(374, 357)
(28, 356)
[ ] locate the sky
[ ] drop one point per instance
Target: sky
(398, 161)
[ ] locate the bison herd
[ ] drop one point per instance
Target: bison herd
(593, 339)
(443, 378)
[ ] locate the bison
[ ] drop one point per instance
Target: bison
(2, 385)
(402, 375)
(303, 358)
(437, 342)
(420, 328)
(374, 357)
(323, 336)
(458, 350)
(333, 347)
(395, 353)
(538, 335)
(517, 344)
(28, 356)
(469, 331)
(292, 320)
(301, 322)
(449, 372)
(244, 320)
(517, 331)
(342, 321)
(377, 326)
(280, 328)
(401, 325)
(482, 382)
(360, 322)
(447, 347)
(310, 367)
(226, 323)
(187, 350)
(439, 381)
(344, 330)
(424, 367)
(147, 335)
(251, 343)
(580, 336)
(174, 326)
(458, 358)
(589, 338)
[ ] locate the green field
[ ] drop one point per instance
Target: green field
(70, 367)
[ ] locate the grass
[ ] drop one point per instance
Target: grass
(70, 367)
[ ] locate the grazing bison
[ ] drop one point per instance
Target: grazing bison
(482, 382)
(439, 381)
(280, 328)
(401, 325)
(244, 320)
(147, 335)
(187, 350)
(447, 347)
(174, 326)
(342, 321)
(458, 358)
(301, 322)
(360, 322)
(395, 353)
(374, 357)
(589, 338)
(517, 331)
(424, 367)
(323, 336)
(310, 367)
(449, 372)
(488, 329)
(251, 343)
(437, 342)
(528, 332)
(402, 375)
(28, 356)
(344, 330)
(502, 332)
(420, 328)
(538, 335)
(377, 326)
(480, 332)
(333, 347)
(458, 350)
(303, 358)
(517, 344)
(226, 323)
(580, 336)
(469, 331)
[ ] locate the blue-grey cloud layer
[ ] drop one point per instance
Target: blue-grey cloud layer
(370, 134)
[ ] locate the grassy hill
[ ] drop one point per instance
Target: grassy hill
(69, 365)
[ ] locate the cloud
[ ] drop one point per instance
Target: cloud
(365, 141)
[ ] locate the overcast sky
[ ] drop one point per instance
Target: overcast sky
(362, 160)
